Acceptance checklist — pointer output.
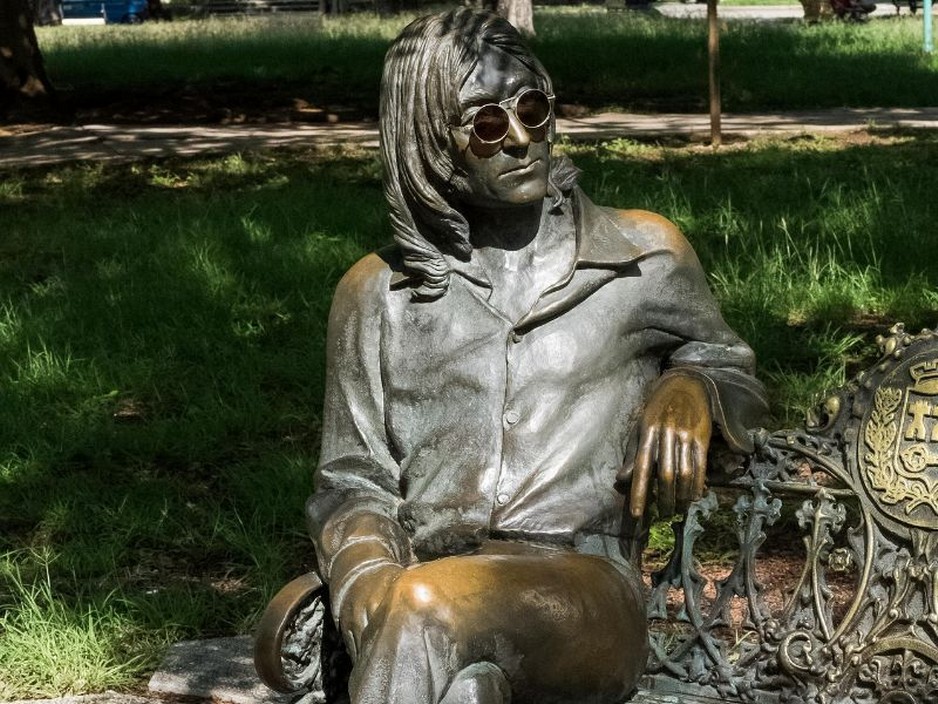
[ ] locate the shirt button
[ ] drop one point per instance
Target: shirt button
(512, 417)
(502, 499)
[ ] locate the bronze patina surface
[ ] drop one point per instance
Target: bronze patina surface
(508, 387)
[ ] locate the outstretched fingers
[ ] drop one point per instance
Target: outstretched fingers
(692, 471)
(645, 460)
(700, 458)
(687, 473)
(668, 454)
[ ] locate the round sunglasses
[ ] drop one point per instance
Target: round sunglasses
(491, 122)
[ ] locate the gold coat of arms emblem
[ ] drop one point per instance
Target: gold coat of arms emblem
(899, 449)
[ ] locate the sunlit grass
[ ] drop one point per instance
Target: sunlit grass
(340, 58)
(50, 647)
(597, 58)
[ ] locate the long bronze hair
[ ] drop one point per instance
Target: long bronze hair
(423, 72)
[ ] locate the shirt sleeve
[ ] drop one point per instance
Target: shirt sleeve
(681, 304)
(357, 495)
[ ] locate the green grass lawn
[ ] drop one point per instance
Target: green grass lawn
(161, 357)
(598, 59)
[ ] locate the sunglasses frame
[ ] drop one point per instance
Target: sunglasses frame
(506, 105)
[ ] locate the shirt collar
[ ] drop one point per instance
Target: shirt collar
(601, 244)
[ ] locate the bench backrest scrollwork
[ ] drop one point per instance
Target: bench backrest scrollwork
(857, 496)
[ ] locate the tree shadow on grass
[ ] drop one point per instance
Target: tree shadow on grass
(163, 334)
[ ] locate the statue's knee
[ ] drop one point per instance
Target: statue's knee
(416, 598)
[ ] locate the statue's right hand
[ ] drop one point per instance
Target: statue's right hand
(362, 600)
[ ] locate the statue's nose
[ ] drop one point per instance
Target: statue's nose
(518, 135)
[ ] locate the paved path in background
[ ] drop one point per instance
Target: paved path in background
(735, 12)
(56, 144)
(884, 9)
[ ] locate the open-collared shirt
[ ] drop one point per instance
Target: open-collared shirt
(460, 425)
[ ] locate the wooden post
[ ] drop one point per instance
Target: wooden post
(713, 50)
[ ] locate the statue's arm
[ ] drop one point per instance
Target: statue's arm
(707, 378)
(352, 514)
(712, 352)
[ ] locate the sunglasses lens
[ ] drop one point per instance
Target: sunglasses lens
(533, 108)
(490, 124)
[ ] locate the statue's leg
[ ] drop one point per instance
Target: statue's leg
(563, 627)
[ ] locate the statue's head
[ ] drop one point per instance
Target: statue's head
(466, 121)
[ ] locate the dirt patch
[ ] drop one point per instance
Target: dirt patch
(25, 128)
(214, 109)
(778, 576)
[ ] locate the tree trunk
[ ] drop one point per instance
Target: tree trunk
(45, 12)
(156, 11)
(713, 53)
(490, 5)
(520, 13)
(817, 10)
(23, 79)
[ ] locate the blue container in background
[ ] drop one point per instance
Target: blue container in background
(105, 11)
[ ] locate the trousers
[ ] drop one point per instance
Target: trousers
(511, 623)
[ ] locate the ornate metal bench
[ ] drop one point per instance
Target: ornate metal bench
(852, 496)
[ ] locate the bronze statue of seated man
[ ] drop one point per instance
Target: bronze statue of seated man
(506, 386)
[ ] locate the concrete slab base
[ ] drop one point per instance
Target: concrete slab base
(219, 669)
(103, 698)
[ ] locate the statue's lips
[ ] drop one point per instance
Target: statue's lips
(521, 169)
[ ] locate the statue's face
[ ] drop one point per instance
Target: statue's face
(513, 170)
